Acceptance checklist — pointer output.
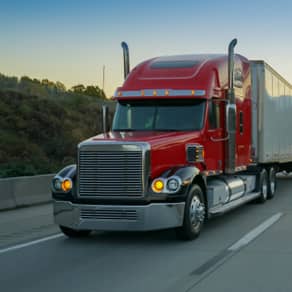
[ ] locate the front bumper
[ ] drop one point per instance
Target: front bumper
(119, 218)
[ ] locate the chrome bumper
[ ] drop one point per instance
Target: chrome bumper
(118, 218)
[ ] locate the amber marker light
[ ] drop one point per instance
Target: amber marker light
(66, 185)
(158, 185)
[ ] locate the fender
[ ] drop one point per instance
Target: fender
(186, 173)
(68, 171)
(188, 176)
(192, 175)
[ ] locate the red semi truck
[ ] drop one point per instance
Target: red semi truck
(193, 136)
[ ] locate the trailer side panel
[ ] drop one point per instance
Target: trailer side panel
(271, 115)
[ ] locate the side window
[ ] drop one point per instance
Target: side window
(214, 114)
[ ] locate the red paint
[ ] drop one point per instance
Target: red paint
(167, 148)
(210, 74)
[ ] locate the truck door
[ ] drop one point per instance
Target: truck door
(214, 148)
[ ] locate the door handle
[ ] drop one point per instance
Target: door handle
(219, 139)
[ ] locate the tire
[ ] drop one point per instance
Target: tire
(272, 182)
(69, 232)
(263, 186)
(194, 215)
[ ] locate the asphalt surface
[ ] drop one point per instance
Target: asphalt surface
(248, 249)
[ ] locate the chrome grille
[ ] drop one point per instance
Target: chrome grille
(111, 172)
(108, 214)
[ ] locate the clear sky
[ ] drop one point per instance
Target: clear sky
(71, 40)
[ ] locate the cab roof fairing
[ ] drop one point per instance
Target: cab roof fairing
(165, 74)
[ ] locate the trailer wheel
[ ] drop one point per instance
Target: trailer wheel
(73, 232)
(194, 215)
(263, 186)
(272, 183)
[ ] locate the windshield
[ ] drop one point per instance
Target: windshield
(159, 115)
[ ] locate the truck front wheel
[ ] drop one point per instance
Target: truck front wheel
(194, 214)
(73, 232)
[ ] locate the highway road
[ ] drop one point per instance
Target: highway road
(249, 249)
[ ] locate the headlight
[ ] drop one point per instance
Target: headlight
(67, 185)
(57, 184)
(60, 184)
(169, 185)
(158, 185)
(173, 184)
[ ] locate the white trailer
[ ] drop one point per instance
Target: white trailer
(271, 116)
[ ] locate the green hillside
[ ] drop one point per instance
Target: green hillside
(41, 124)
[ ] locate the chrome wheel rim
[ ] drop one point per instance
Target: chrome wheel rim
(197, 212)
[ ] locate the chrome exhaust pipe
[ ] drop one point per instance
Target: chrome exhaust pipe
(231, 46)
(126, 59)
(230, 162)
(105, 119)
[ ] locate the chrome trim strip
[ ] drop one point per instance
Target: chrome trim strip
(240, 168)
(154, 216)
(212, 172)
(160, 92)
(219, 210)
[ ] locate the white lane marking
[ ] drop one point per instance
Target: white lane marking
(18, 246)
(246, 239)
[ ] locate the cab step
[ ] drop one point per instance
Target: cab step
(219, 210)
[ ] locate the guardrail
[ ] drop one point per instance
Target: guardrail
(25, 191)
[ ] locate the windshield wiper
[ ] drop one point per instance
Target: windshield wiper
(125, 130)
(169, 130)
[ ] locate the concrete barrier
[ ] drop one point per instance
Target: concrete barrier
(7, 200)
(25, 191)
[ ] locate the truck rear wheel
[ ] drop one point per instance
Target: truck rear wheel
(272, 183)
(194, 215)
(73, 232)
(263, 186)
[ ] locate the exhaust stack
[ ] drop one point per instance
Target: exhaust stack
(105, 119)
(230, 162)
(231, 46)
(126, 59)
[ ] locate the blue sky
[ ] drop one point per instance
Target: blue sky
(70, 41)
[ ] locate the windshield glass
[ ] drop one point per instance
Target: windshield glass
(159, 115)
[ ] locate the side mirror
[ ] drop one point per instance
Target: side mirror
(231, 118)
